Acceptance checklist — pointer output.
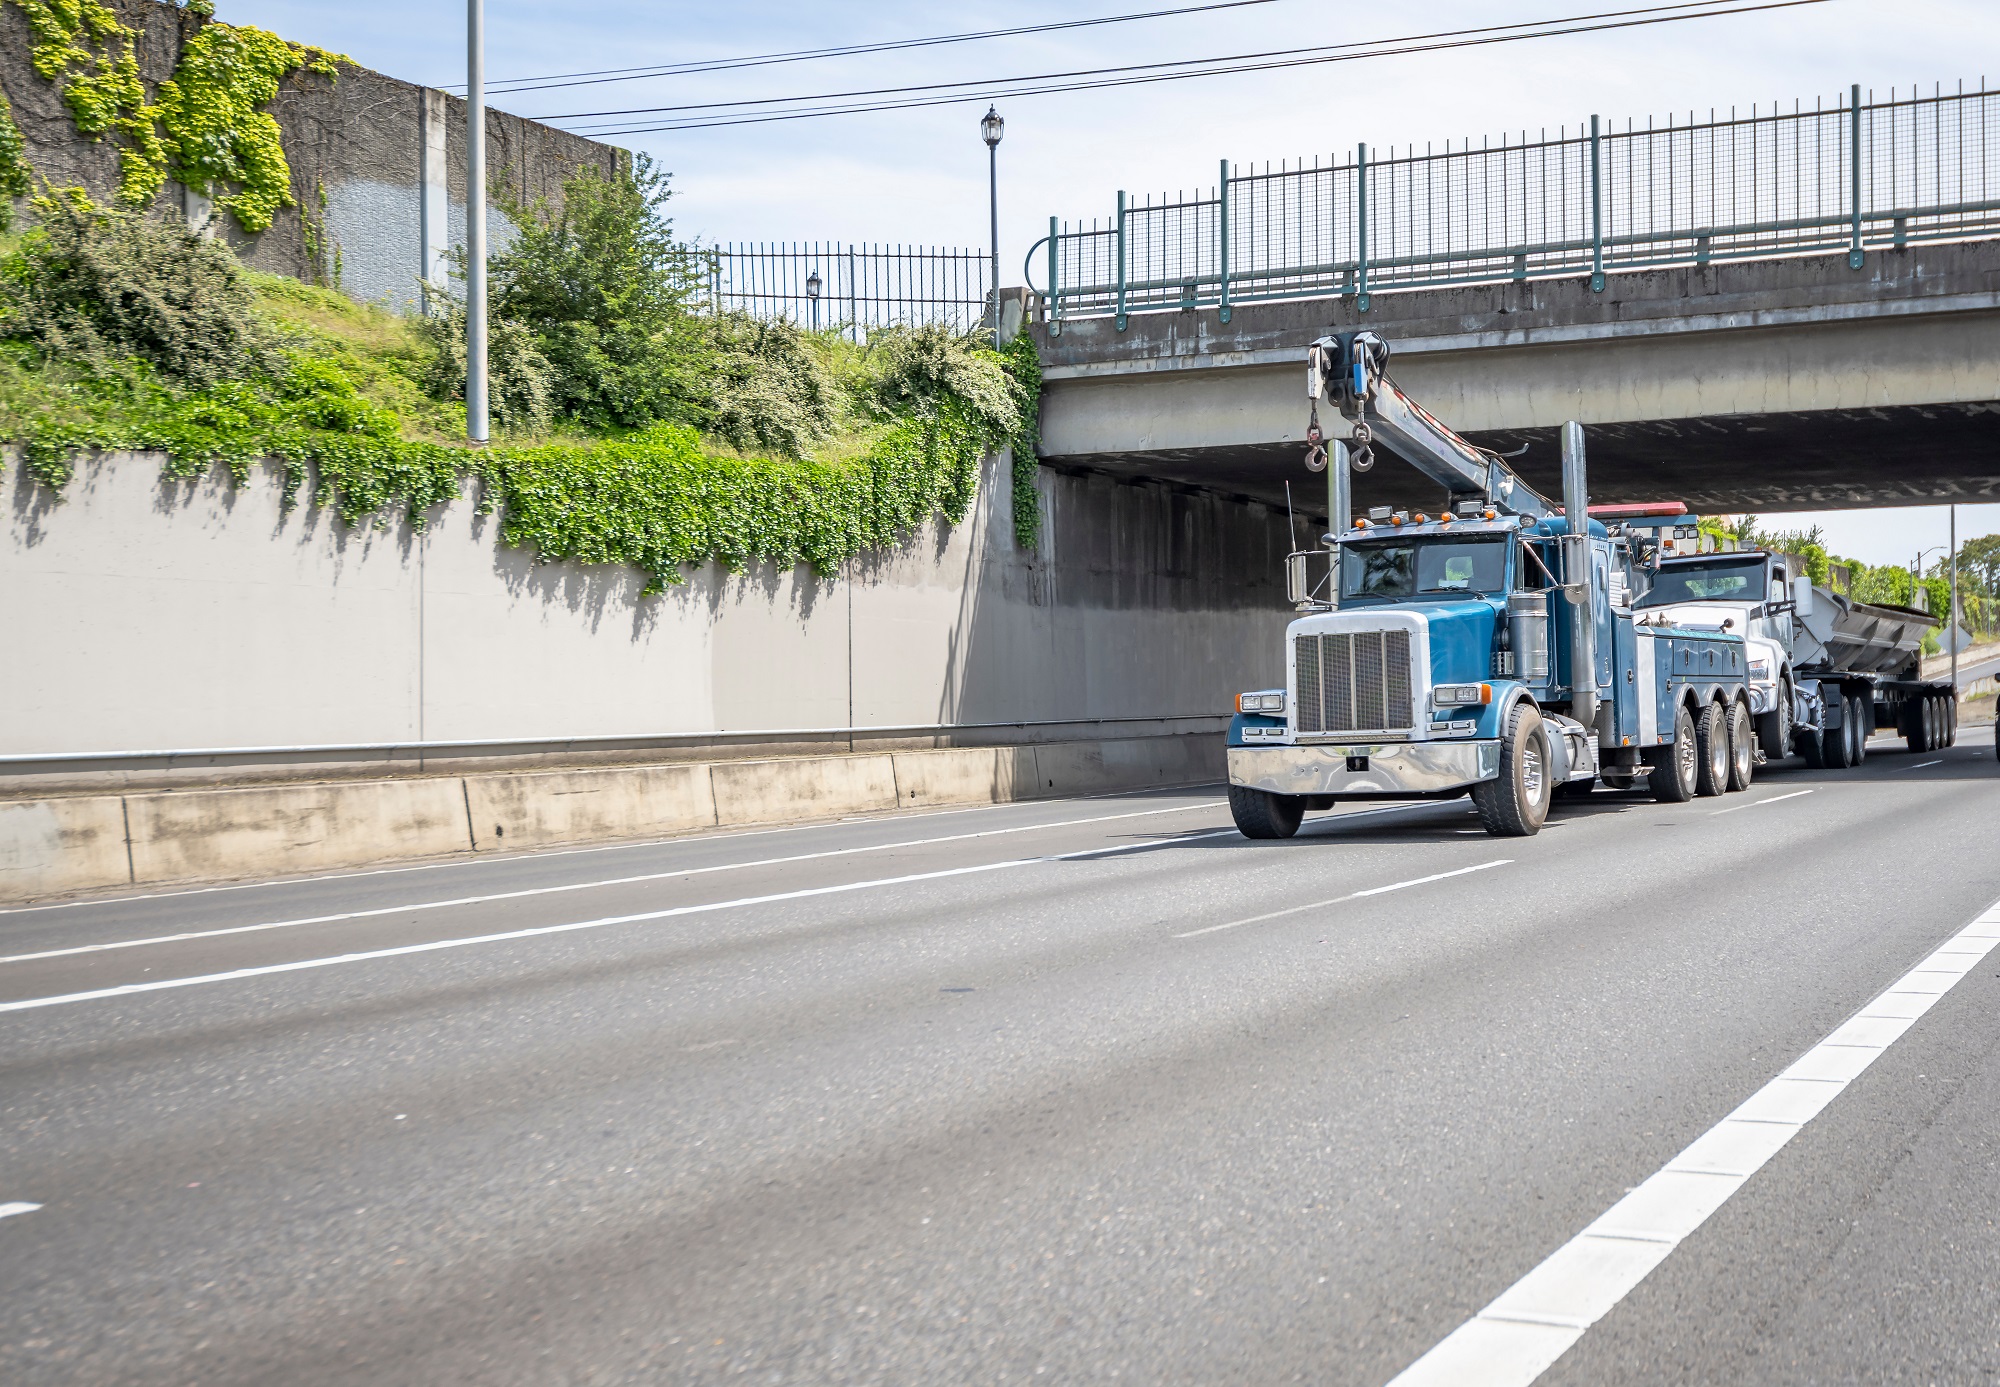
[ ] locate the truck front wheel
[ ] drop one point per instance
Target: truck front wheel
(1261, 814)
(1515, 803)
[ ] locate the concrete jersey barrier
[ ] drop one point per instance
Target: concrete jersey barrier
(63, 846)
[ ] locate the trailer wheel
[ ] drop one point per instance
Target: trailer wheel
(1675, 766)
(1933, 724)
(1711, 740)
(1261, 814)
(1742, 747)
(1951, 718)
(1836, 746)
(1915, 724)
(1515, 803)
(1860, 725)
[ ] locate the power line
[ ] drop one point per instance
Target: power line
(718, 114)
(635, 74)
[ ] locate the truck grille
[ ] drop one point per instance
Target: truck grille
(1356, 681)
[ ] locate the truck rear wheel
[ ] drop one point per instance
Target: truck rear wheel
(1916, 724)
(1836, 744)
(1860, 726)
(1515, 803)
(1951, 718)
(1807, 741)
(1742, 747)
(1711, 740)
(1674, 766)
(1261, 814)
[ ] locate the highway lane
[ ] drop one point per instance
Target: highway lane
(913, 1105)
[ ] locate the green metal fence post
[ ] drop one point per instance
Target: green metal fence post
(1222, 212)
(1596, 211)
(1361, 228)
(1054, 311)
(1854, 255)
(1121, 260)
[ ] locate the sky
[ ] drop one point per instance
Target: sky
(918, 177)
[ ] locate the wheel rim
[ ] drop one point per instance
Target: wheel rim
(1741, 742)
(1686, 758)
(1531, 771)
(1718, 759)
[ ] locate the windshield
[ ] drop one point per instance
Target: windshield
(1423, 567)
(1726, 580)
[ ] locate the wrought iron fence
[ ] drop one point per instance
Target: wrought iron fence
(856, 288)
(1849, 175)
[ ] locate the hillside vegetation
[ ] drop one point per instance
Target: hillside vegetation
(631, 425)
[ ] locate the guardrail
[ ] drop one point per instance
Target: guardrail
(1854, 175)
(819, 284)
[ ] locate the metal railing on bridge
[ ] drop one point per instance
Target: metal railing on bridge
(855, 288)
(1853, 175)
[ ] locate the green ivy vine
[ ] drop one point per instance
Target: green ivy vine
(208, 128)
(17, 179)
(217, 131)
(657, 500)
(1024, 368)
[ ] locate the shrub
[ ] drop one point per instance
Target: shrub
(520, 383)
(914, 369)
(768, 388)
(105, 286)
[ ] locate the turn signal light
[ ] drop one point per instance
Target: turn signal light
(1420, 519)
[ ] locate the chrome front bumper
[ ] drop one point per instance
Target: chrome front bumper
(1394, 768)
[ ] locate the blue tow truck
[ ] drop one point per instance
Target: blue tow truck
(1492, 648)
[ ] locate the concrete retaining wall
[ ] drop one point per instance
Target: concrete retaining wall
(52, 847)
(144, 614)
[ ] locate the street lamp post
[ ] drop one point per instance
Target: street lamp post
(475, 221)
(812, 293)
(991, 128)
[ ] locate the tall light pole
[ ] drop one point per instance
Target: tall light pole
(475, 221)
(991, 128)
(1951, 622)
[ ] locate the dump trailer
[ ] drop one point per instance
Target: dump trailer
(1826, 671)
(1489, 649)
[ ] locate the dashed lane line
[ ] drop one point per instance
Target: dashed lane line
(1754, 804)
(1521, 1334)
(9, 1210)
(574, 926)
(1350, 896)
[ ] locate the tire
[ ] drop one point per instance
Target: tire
(1261, 814)
(1915, 722)
(1774, 729)
(1951, 719)
(1811, 747)
(1861, 724)
(1675, 766)
(1515, 803)
(1835, 747)
(1933, 738)
(1742, 747)
(1711, 740)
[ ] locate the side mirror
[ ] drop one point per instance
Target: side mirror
(1802, 596)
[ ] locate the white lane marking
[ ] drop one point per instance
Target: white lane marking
(1921, 764)
(1534, 1322)
(1754, 804)
(486, 859)
(9, 1210)
(223, 931)
(540, 931)
(1351, 896)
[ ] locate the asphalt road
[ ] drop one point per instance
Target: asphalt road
(1091, 1090)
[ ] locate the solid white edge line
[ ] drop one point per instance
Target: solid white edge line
(540, 931)
(1351, 896)
(1531, 1324)
(9, 1210)
(1753, 804)
(226, 930)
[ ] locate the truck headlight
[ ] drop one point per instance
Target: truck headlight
(1263, 701)
(1760, 670)
(1459, 695)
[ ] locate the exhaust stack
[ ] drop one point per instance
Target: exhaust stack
(1577, 579)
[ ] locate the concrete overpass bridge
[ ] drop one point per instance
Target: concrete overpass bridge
(1847, 355)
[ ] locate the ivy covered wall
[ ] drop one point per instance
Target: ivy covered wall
(317, 164)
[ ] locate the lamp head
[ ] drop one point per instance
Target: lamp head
(991, 127)
(813, 285)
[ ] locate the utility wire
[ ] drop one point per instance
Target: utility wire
(718, 114)
(635, 74)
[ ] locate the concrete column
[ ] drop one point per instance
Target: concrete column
(199, 209)
(434, 193)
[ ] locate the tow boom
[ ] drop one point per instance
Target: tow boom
(1351, 369)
